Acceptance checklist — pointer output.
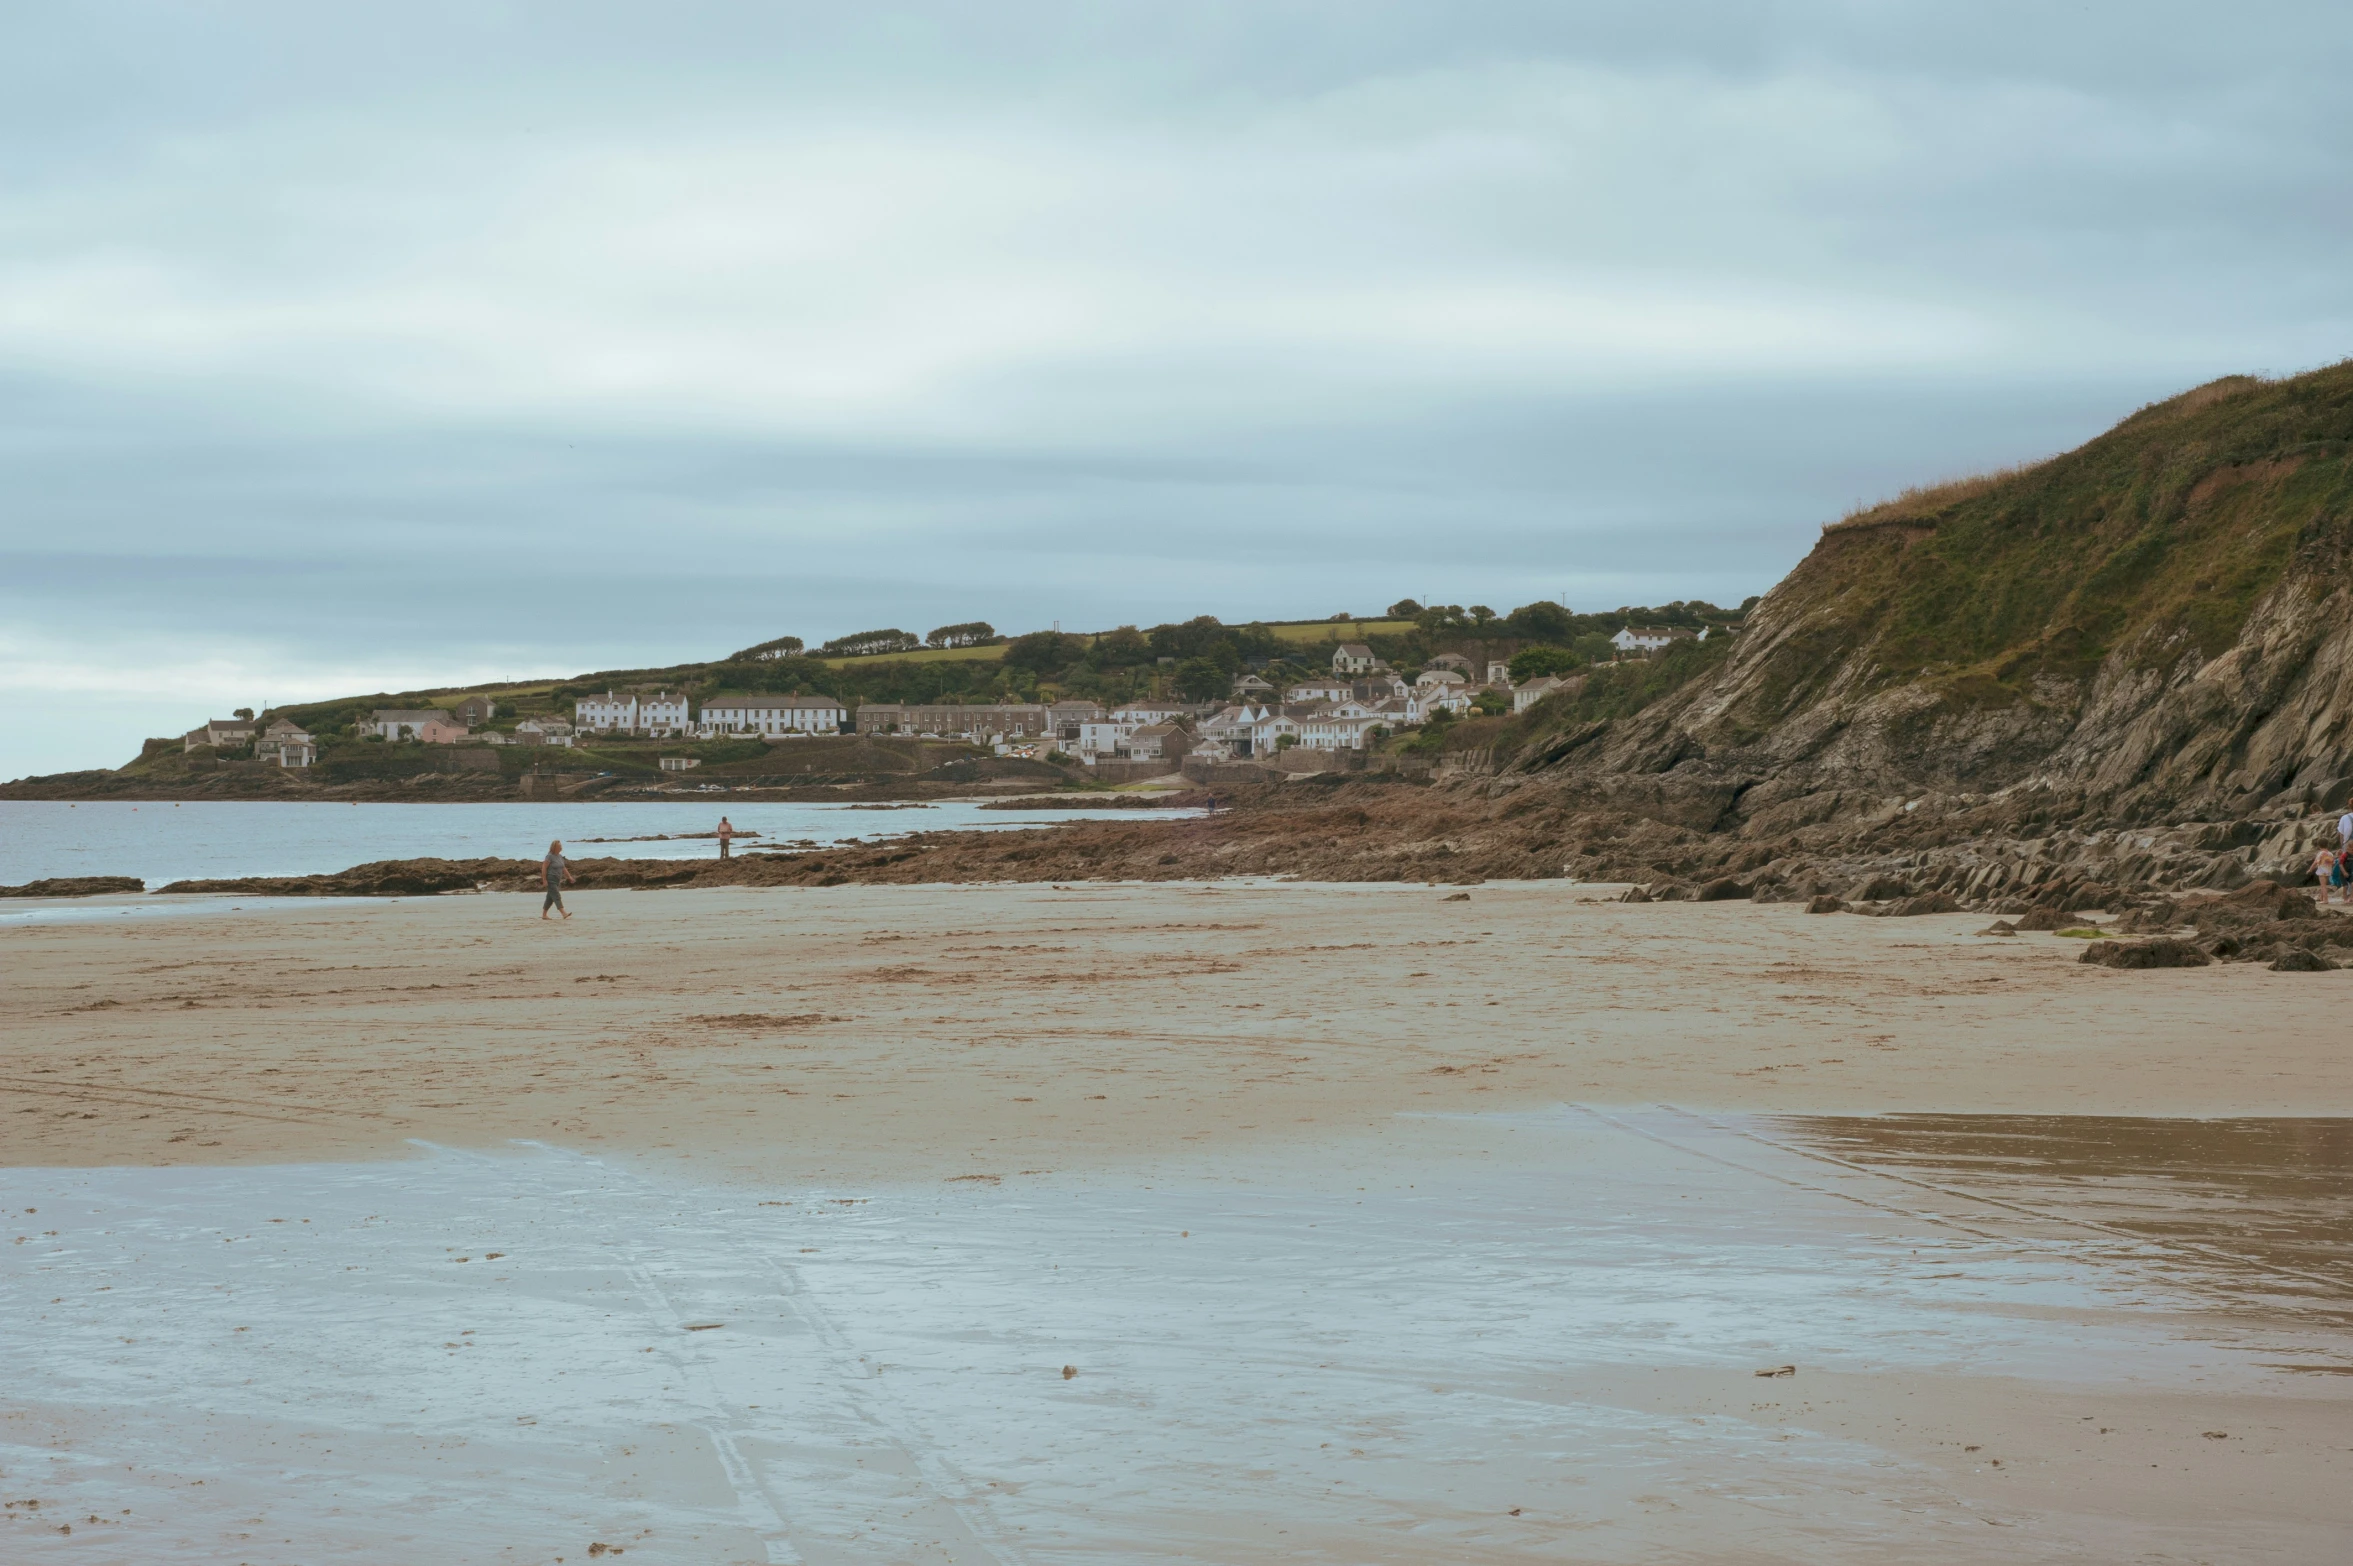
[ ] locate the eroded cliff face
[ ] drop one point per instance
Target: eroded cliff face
(2155, 628)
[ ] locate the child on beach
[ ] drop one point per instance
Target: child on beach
(555, 873)
(2329, 870)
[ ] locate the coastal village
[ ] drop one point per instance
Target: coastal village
(1311, 722)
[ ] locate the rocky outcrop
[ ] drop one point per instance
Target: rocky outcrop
(76, 886)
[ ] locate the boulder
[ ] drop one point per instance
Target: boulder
(1999, 927)
(2162, 952)
(1634, 894)
(2043, 919)
(2295, 959)
(1721, 890)
(1825, 904)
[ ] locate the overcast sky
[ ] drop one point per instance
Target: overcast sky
(349, 347)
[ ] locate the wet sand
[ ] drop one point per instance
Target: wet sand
(742, 1226)
(920, 1032)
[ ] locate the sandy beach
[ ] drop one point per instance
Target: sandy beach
(1185, 1222)
(880, 1033)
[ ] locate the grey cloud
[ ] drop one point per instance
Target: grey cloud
(380, 344)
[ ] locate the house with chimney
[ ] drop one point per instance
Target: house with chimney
(284, 744)
(772, 717)
(220, 734)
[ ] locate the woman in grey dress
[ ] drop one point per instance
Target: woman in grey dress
(554, 872)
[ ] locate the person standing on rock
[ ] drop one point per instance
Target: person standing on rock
(726, 835)
(555, 873)
(2345, 832)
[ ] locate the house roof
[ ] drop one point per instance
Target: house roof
(766, 703)
(410, 715)
(1352, 650)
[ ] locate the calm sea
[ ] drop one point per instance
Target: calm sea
(162, 841)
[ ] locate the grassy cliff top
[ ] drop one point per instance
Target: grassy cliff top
(2154, 540)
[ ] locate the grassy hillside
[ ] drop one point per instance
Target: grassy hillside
(2154, 539)
(2151, 543)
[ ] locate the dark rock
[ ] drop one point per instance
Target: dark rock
(1635, 894)
(2223, 946)
(2162, 952)
(1878, 889)
(2043, 919)
(2295, 959)
(1925, 903)
(1722, 890)
(1999, 927)
(76, 886)
(1825, 904)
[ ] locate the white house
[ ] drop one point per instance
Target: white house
(608, 713)
(663, 713)
(399, 723)
(1267, 732)
(1499, 676)
(1454, 661)
(1152, 711)
(287, 745)
(1320, 690)
(1332, 730)
(1432, 679)
(1353, 658)
(772, 715)
(1649, 638)
(1105, 737)
(1232, 728)
(1454, 698)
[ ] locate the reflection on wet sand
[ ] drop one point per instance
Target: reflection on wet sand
(2252, 1213)
(1582, 1333)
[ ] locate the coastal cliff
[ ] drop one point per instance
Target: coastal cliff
(2157, 624)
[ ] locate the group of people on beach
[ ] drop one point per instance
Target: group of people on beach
(2333, 867)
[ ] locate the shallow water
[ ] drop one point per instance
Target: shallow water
(1370, 1354)
(162, 841)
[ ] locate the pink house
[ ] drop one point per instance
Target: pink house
(440, 729)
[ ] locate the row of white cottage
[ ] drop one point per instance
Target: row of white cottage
(666, 715)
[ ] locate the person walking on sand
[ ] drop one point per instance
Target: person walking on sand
(726, 835)
(555, 872)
